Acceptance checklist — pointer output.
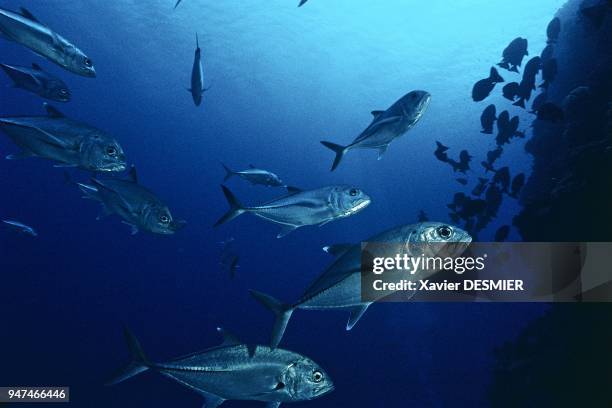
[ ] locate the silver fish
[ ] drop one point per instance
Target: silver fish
(71, 143)
(137, 206)
(237, 371)
(26, 30)
(38, 81)
(386, 126)
(301, 208)
(255, 176)
(197, 76)
(339, 287)
(21, 227)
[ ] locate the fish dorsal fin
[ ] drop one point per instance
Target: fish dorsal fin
(356, 314)
(36, 66)
(133, 174)
(377, 113)
(28, 15)
(293, 190)
(228, 338)
(52, 111)
(337, 249)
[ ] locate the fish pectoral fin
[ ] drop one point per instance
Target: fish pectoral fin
(382, 151)
(134, 227)
(338, 249)
(52, 111)
(211, 400)
(286, 230)
(356, 314)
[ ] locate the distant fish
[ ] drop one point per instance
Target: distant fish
(502, 178)
(37, 81)
(177, 3)
(197, 76)
(339, 287)
(302, 208)
(236, 371)
(549, 72)
(462, 180)
(386, 126)
(463, 165)
(553, 29)
(487, 118)
(547, 53)
(528, 82)
(550, 112)
(483, 88)
(255, 176)
(502, 233)
(302, 2)
(538, 101)
(517, 185)
(21, 227)
(139, 207)
(71, 143)
(440, 152)
(26, 30)
(229, 263)
(480, 187)
(513, 54)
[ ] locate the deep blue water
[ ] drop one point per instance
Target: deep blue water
(281, 79)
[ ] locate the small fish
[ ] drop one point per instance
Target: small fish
(26, 30)
(255, 176)
(550, 112)
(197, 76)
(517, 185)
(137, 206)
(386, 126)
(493, 155)
(502, 178)
(502, 233)
(37, 81)
(440, 152)
(483, 88)
(538, 101)
(229, 263)
(549, 72)
(236, 371)
(463, 165)
(487, 118)
(339, 287)
(177, 3)
(480, 187)
(71, 143)
(302, 208)
(552, 30)
(528, 82)
(513, 54)
(21, 227)
(463, 181)
(547, 53)
(511, 90)
(302, 2)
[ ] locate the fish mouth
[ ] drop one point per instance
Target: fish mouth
(113, 167)
(360, 206)
(325, 390)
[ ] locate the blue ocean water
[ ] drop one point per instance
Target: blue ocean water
(281, 79)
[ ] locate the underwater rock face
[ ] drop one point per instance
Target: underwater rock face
(569, 193)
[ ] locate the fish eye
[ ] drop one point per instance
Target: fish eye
(445, 231)
(164, 219)
(111, 151)
(317, 376)
(353, 192)
(88, 62)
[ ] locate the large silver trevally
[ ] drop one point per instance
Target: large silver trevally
(301, 208)
(386, 126)
(36, 80)
(26, 30)
(137, 206)
(339, 287)
(71, 143)
(237, 371)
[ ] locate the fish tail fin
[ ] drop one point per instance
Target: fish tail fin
(139, 363)
(229, 173)
(339, 150)
(197, 41)
(282, 311)
(235, 210)
(90, 192)
(520, 102)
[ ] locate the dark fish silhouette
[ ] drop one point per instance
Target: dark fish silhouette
(197, 76)
(513, 54)
(511, 90)
(487, 118)
(538, 101)
(302, 2)
(37, 81)
(549, 72)
(487, 166)
(502, 233)
(528, 82)
(596, 14)
(483, 88)
(480, 187)
(440, 152)
(463, 181)
(177, 3)
(229, 264)
(553, 30)
(517, 185)
(502, 179)
(493, 155)
(463, 165)
(550, 112)
(548, 52)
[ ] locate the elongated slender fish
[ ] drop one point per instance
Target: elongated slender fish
(37, 81)
(21, 227)
(177, 3)
(197, 76)
(71, 143)
(339, 287)
(137, 206)
(237, 371)
(255, 176)
(302, 2)
(26, 30)
(386, 126)
(301, 208)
